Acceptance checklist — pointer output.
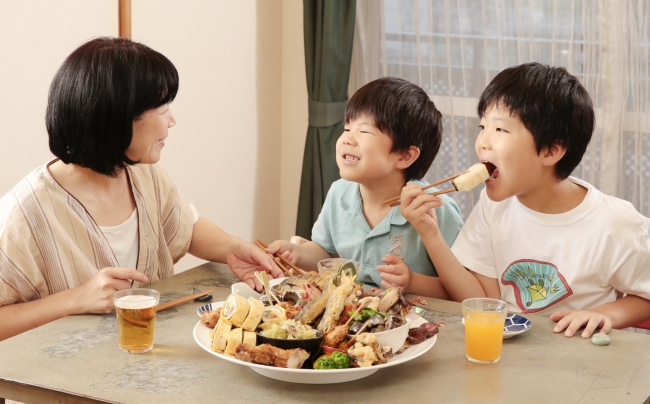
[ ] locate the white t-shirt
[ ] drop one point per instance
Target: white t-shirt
(557, 262)
(124, 240)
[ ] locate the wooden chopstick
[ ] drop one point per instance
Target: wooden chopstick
(263, 246)
(445, 191)
(277, 261)
(182, 300)
(391, 200)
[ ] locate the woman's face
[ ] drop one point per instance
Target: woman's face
(149, 133)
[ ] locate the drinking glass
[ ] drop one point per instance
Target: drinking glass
(136, 319)
(484, 321)
(330, 266)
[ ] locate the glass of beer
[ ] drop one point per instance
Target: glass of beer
(136, 318)
(484, 319)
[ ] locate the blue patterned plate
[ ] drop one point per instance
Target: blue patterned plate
(515, 325)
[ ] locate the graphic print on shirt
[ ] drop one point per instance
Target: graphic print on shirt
(398, 246)
(537, 284)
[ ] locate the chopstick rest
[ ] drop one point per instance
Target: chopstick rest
(182, 300)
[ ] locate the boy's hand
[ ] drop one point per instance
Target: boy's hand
(395, 273)
(419, 209)
(284, 248)
(573, 320)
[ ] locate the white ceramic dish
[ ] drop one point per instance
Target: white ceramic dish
(514, 325)
(309, 376)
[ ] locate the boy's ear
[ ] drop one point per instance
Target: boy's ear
(408, 157)
(551, 155)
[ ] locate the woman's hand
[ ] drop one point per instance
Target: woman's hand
(573, 320)
(419, 209)
(96, 295)
(395, 273)
(245, 259)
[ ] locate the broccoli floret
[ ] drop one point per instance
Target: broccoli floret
(338, 360)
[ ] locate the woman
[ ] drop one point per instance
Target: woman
(103, 216)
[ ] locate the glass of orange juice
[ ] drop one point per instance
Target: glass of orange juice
(484, 319)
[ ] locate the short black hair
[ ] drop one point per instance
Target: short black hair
(552, 105)
(101, 88)
(406, 114)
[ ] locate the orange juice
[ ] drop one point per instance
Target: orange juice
(484, 335)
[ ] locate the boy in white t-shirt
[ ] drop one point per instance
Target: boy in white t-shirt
(538, 239)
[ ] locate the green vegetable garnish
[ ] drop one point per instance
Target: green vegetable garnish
(365, 314)
(338, 360)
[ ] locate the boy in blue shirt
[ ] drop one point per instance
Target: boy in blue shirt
(539, 239)
(392, 133)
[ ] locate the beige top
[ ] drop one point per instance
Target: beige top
(49, 242)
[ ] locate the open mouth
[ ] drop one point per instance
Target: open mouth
(492, 169)
(350, 157)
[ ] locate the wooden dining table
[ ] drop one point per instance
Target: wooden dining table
(76, 360)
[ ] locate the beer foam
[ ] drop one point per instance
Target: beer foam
(135, 302)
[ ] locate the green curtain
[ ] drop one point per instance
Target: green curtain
(329, 30)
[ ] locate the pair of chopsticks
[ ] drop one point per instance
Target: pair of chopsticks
(182, 300)
(281, 261)
(395, 201)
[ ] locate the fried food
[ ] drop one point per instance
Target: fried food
(336, 336)
(269, 355)
(211, 318)
(336, 303)
(289, 309)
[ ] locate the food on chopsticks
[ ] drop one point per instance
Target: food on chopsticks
(269, 355)
(467, 181)
(462, 182)
(210, 318)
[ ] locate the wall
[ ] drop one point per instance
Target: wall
(236, 150)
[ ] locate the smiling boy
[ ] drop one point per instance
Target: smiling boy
(539, 239)
(392, 134)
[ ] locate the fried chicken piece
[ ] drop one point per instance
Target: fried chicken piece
(289, 309)
(269, 355)
(211, 318)
(334, 337)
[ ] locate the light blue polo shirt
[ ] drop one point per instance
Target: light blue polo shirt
(342, 229)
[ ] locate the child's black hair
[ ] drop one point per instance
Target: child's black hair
(552, 105)
(404, 112)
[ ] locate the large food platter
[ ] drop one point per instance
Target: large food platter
(309, 376)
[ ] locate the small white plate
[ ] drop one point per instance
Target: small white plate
(309, 376)
(514, 325)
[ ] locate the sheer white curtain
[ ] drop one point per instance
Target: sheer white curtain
(453, 48)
